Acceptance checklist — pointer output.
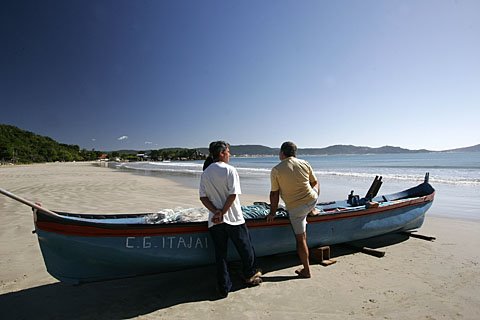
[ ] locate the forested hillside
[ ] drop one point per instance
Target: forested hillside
(20, 146)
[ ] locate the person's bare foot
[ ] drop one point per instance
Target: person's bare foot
(314, 212)
(302, 273)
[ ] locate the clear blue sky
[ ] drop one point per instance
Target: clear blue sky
(184, 73)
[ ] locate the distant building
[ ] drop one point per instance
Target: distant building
(142, 157)
(103, 157)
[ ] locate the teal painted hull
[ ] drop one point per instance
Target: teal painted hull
(80, 251)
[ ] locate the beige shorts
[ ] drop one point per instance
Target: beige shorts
(298, 216)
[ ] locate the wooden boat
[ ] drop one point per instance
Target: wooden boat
(79, 248)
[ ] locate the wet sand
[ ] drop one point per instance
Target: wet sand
(416, 279)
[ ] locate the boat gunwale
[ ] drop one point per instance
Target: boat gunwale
(95, 229)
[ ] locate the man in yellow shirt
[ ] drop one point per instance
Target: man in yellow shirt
(294, 181)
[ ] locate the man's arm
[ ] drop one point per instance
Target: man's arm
(218, 216)
(316, 186)
(208, 204)
(274, 199)
(218, 213)
(230, 199)
(314, 183)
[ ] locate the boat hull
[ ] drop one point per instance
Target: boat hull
(80, 252)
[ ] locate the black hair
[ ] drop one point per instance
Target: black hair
(207, 162)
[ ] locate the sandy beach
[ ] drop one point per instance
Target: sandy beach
(416, 279)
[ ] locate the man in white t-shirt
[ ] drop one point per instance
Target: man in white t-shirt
(219, 190)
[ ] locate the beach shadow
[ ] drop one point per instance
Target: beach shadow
(278, 262)
(279, 278)
(375, 243)
(129, 298)
(267, 264)
(116, 299)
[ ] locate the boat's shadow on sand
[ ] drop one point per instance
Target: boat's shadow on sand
(128, 298)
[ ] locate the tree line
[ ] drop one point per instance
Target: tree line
(20, 146)
(176, 154)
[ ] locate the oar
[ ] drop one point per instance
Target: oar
(28, 203)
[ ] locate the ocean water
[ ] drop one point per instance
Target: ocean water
(455, 176)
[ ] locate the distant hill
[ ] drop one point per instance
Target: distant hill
(245, 150)
(20, 146)
(475, 148)
(349, 149)
(242, 150)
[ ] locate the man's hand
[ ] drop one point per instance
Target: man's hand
(274, 198)
(270, 216)
(217, 217)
